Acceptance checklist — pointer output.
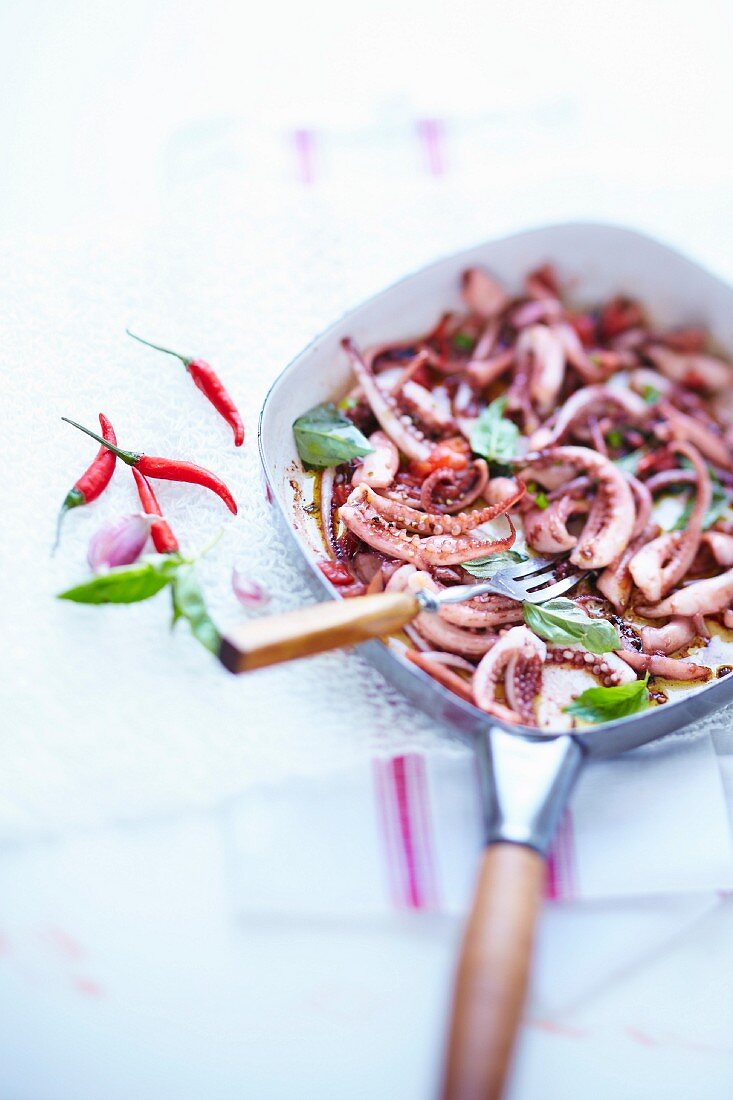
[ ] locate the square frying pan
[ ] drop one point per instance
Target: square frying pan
(526, 775)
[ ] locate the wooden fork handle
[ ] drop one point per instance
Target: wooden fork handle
(493, 968)
(315, 629)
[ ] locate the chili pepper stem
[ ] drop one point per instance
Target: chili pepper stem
(73, 499)
(167, 351)
(210, 545)
(130, 457)
(57, 540)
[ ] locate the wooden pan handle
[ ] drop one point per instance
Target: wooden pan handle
(493, 968)
(315, 629)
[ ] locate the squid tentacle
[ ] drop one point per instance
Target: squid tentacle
(612, 515)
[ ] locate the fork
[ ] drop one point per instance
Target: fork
(337, 623)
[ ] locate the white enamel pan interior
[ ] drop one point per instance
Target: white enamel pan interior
(600, 260)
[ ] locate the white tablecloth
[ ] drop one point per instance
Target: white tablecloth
(131, 960)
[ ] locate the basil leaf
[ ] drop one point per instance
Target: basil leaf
(539, 497)
(128, 583)
(603, 704)
(493, 436)
(719, 504)
(325, 437)
(462, 341)
(486, 567)
(630, 463)
(651, 395)
(189, 604)
(564, 623)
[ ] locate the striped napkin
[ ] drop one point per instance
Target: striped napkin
(404, 833)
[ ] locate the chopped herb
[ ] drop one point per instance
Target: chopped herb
(324, 437)
(651, 395)
(614, 438)
(564, 623)
(719, 505)
(462, 341)
(630, 463)
(604, 704)
(540, 496)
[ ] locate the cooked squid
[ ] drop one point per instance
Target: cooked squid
(522, 425)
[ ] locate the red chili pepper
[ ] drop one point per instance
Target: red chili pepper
(95, 478)
(166, 469)
(210, 385)
(164, 540)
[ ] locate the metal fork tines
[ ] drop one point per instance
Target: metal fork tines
(531, 581)
(535, 580)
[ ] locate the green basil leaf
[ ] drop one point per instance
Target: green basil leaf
(484, 568)
(630, 463)
(189, 604)
(604, 704)
(325, 437)
(719, 505)
(539, 497)
(494, 436)
(564, 623)
(128, 583)
(462, 341)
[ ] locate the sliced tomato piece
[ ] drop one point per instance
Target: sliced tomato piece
(341, 493)
(686, 339)
(585, 326)
(452, 453)
(422, 377)
(543, 281)
(619, 315)
(335, 572)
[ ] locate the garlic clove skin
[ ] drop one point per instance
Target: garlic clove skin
(120, 542)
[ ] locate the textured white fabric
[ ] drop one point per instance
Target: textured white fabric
(107, 716)
(290, 848)
(129, 976)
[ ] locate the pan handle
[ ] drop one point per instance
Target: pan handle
(493, 970)
(527, 782)
(315, 629)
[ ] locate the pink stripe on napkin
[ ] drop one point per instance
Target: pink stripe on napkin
(561, 862)
(431, 134)
(406, 834)
(304, 141)
(406, 829)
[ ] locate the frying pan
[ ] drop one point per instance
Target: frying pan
(526, 775)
